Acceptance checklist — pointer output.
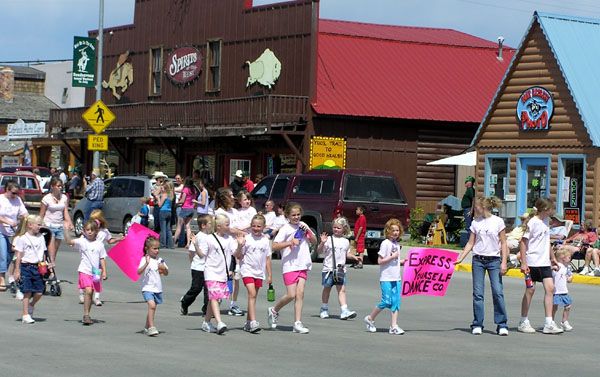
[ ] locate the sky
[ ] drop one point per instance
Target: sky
(34, 30)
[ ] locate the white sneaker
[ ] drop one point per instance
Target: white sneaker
(477, 330)
(19, 295)
(503, 331)
(552, 328)
(152, 331)
(81, 299)
(567, 326)
(254, 327)
(525, 327)
(272, 317)
(27, 319)
(347, 314)
(324, 313)
(586, 270)
(221, 328)
(299, 328)
(97, 302)
(370, 324)
(208, 327)
(396, 330)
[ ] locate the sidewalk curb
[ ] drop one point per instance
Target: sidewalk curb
(514, 273)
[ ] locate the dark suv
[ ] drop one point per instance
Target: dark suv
(324, 194)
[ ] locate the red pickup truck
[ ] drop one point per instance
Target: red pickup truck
(324, 194)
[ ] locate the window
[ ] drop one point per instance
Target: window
(161, 160)
(314, 187)
(372, 189)
(213, 65)
(118, 188)
(155, 65)
(65, 95)
(572, 189)
(136, 189)
(497, 179)
(235, 165)
(280, 188)
(263, 188)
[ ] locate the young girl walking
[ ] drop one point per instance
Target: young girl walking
(336, 246)
(152, 267)
(490, 253)
(389, 277)
(29, 246)
(293, 241)
(92, 267)
(536, 263)
(562, 276)
(197, 265)
(254, 257)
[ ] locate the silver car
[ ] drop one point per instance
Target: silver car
(121, 202)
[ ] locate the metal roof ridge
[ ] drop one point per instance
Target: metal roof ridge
(387, 25)
(564, 17)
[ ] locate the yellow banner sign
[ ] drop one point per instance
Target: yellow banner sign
(98, 116)
(327, 152)
(97, 142)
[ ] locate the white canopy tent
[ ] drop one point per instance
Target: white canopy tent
(465, 159)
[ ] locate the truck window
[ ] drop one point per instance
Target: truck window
(372, 189)
(263, 188)
(279, 188)
(314, 187)
(136, 188)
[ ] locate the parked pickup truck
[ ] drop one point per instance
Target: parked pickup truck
(325, 194)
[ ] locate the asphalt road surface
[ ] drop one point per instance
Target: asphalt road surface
(437, 340)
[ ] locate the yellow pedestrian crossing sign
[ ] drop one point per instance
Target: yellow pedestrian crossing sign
(97, 142)
(98, 116)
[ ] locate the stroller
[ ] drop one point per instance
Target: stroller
(51, 282)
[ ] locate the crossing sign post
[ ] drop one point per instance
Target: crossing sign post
(98, 116)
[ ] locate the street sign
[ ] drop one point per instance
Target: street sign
(98, 116)
(84, 62)
(97, 142)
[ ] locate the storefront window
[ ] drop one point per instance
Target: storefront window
(497, 179)
(156, 66)
(572, 189)
(213, 61)
(159, 160)
(206, 165)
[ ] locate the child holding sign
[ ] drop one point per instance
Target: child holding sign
(488, 242)
(390, 279)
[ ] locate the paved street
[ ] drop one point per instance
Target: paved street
(437, 340)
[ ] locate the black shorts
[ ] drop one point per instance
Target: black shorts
(540, 273)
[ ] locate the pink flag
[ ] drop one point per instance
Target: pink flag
(128, 253)
(427, 272)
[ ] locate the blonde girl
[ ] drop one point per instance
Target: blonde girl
(537, 260)
(152, 267)
(490, 252)
(92, 267)
(293, 240)
(29, 246)
(54, 210)
(166, 201)
(562, 275)
(336, 243)
(389, 277)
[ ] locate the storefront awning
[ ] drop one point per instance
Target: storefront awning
(465, 159)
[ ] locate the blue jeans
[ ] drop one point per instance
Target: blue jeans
(492, 266)
(166, 237)
(92, 205)
(5, 253)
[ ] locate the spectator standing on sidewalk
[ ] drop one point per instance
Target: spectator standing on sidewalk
(467, 202)
(94, 192)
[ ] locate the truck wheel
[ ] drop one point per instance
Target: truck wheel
(372, 256)
(78, 224)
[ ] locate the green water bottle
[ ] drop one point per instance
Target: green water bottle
(271, 293)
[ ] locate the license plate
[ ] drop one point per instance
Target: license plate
(373, 234)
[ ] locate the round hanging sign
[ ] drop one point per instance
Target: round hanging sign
(183, 65)
(534, 109)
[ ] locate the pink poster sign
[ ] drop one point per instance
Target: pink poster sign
(128, 253)
(427, 272)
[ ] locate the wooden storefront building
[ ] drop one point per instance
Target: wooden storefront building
(256, 82)
(541, 136)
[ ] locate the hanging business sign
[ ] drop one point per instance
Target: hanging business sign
(22, 130)
(327, 152)
(84, 62)
(573, 193)
(183, 65)
(534, 109)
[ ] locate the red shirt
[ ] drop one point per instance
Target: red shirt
(249, 185)
(361, 222)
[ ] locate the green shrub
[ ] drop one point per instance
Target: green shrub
(416, 221)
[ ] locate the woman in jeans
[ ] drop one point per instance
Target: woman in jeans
(12, 210)
(165, 203)
(488, 242)
(186, 214)
(54, 210)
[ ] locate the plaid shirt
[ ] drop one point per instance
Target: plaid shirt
(95, 191)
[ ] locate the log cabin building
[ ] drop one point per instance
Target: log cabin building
(541, 135)
(222, 85)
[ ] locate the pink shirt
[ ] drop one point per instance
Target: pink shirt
(188, 201)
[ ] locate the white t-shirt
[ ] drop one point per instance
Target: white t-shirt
(487, 241)
(55, 210)
(293, 258)
(279, 222)
(559, 231)
(151, 278)
(215, 268)
(255, 251)
(342, 245)
(232, 214)
(104, 235)
(244, 217)
(560, 280)
(389, 271)
(11, 209)
(91, 252)
(198, 262)
(269, 218)
(538, 243)
(31, 247)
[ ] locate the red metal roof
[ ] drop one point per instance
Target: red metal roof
(401, 72)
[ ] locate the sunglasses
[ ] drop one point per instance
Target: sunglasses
(14, 192)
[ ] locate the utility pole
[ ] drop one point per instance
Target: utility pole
(96, 162)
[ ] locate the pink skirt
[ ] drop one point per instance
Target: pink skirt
(86, 281)
(217, 290)
(292, 277)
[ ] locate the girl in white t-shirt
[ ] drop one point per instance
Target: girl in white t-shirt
(537, 260)
(390, 279)
(246, 212)
(54, 210)
(151, 266)
(254, 257)
(29, 246)
(340, 243)
(92, 267)
(293, 241)
(217, 248)
(490, 253)
(562, 276)
(270, 216)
